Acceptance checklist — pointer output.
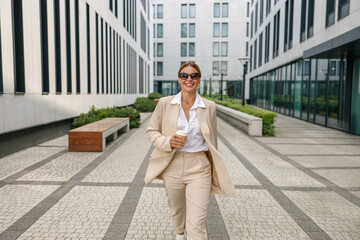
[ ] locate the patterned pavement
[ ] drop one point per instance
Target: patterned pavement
(304, 183)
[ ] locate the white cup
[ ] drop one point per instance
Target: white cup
(182, 133)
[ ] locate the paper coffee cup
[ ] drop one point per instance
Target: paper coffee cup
(182, 133)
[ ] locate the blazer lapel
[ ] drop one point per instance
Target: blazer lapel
(201, 114)
(173, 117)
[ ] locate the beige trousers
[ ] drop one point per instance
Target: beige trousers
(187, 182)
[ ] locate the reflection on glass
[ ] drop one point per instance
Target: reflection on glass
(297, 94)
(320, 97)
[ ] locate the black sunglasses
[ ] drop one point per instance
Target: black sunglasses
(193, 76)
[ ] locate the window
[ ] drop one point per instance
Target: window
(224, 29)
(289, 18)
(183, 49)
(154, 50)
(44, 49)
(330, 13)
(216, 68)
(216, 49)
(192, 30)
(251, 25)
(97, 53)
(19, 70)
(191, 49)
(192, 11)
(102, 55)
(68, 46)
(276, 35)
(260, 49)
(154, 13)
(111, 5)
(88, 48)
(184, 30)
(251, 54)
(255, 54)
(267, 43)
(247, 9)
(268, 7)
(160, 11)
(57, 46)
(247, 49)
(344, 7)
(225, 10)
(77, 46)
(159, 30)
(183, 10)
(216, 10)
(160, 50)
(216, 31)
(247, 29)
(159, 68)
(303, 19)
(116, 8)
(310, 25)
(261, 11)
(142, 33)
(224, 67)
(256, 17)
(224, 49)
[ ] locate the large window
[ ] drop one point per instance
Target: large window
(191, 49)
(159, 68)
(191, 29)
(184, 30)
(276, 34)
(160, 50)
(288, 28)
(68, 46)
(216, 10)
(183, 10)
(19, 71)
(255, 54)
(216, 30)
(160, 11)
(216, 49)
(183, 49)
(256, 17)
(344, 8)
(303, 20)
(225, 10)
(77, 46)
(88, 48)
(215, 68)
(267, 43)
(310, 23)
(192, 10)
(224, 67)
(261, 11)
(224, 29)
(160, 31)
(260, 48)
(330, 13)
(224, 49)
(44, 49)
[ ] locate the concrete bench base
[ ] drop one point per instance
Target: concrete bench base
(251, 124)
(94, 136)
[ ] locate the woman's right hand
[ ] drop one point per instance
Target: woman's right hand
(176, 141)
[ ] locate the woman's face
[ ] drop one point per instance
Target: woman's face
(189, 79)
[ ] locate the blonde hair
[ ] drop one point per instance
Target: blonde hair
(191, 64)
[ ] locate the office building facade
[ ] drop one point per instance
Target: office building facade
(211, 33)
(305, 60)
(60, 57)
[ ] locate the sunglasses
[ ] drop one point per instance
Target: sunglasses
(193, 76)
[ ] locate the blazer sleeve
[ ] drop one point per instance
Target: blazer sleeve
(153, 130)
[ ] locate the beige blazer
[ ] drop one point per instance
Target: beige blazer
(163, 125)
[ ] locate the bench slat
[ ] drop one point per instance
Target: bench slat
(85, 135)
(85, 148)
(85, 141)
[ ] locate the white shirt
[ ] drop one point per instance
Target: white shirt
(195, 141)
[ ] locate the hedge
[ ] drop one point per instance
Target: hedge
(143, 104)
(155, 95)
(268, 117)
(100, 113)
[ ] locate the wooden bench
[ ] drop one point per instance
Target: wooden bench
(251, 124)
(94, 136)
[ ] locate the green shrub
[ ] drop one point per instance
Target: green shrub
(268, 117)
(143, 104)
(100, 113)
(155, 95)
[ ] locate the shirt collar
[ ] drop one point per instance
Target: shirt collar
(198, 101)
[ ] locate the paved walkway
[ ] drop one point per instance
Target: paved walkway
(302, 184)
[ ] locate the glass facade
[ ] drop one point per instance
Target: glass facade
(316, 90)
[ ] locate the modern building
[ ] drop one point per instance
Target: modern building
(213, 33)
(60, 57)
(305, 60)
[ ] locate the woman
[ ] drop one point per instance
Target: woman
(193, 168)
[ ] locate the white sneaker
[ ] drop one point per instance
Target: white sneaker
(180, 237)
